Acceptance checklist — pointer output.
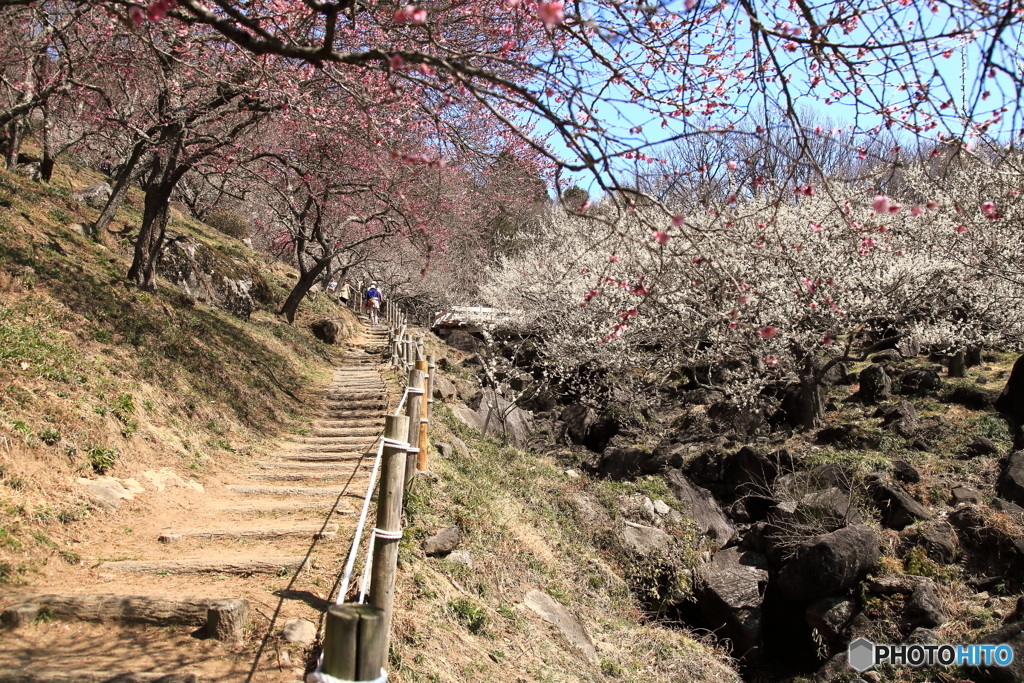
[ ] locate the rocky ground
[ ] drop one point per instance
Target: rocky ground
(900, 520)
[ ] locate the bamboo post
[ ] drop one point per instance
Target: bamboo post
(421, 459)
(359, 294)
(414, 409)
(354, 642)
(389, 520)
(432, 369)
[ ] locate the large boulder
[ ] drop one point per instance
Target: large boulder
(622, 463)
(463, 341)
(937, 537)
(584, 426)
(923, 609)
(902, 417)
(207, 275)
(1011, 481)
(328, 330)
(444, 389)
(701, 508)
(748, 471)
(830, 616)
(730, 601)
(95, 196)
(644, 541)
(898, 507)
(875, 384)
(919, 381)
(829, 563)
(555, 613)
(500, 416)
(1011, 400)
(1012, 635)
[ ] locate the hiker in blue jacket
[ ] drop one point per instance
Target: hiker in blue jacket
(373, 303)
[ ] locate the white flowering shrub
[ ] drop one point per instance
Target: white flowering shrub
(766, 291)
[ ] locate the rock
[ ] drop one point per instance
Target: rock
(1011, 400)
(980, 446)
(919, 381)
(585, 427)
(644, 541)
(463, 341)
(726, 418)
(902, 417)
(465, 389)
(207, 275)
(923, 609)
(461, 447)
(328, 330)
(1011, 482)
(462, 557)
(80, 229)
(832, 506)
(909, 347)
(247, 242)
(830, 615)
(553, 612)
(829, 563)
(837, 374)
(444, 389)
(894, 584)
(848, 436)
(299, 631)
(442, 542)
(621, 463)
(95, 196)
(19, 615)
(936, 537)
(105, 493)
(572, 474)
(701, 507)
(164, 478)
(970, 397)
(965, 494)
(505, 417)
(898, 508)
(730, 601)
(746, 472)
(875, 384)
(1015, 512)
(923, 636)
(445, 449)
(661, 507)
(887, 356)
(469, 417)
(904, 472)
(1012, 635)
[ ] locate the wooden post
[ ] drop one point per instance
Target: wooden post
(226, 619)
(389, 519)
(410, 351)
(414, 409)
(421, 460)
(420, 350)
(354, 642)
(432, 369)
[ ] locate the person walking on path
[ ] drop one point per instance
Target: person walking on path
(344, 293)
(373, 302)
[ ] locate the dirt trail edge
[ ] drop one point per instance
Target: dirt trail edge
(222, 583)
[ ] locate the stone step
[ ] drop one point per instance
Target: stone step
(352, 404)
(333, 492)
(376, 420)
(354, 430)
(370, 413)
(309, 476)
(322, 456)
(318, 531)
(243, 566)
(317, 507)
(307, 466)
(333, 443)
(379, 395)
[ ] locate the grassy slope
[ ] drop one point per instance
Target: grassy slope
(519, 521)
(98, 376)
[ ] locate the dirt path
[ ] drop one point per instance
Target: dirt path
(275, 533)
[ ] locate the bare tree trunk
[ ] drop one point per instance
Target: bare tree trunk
(812, 395)
(124, 179)
(15, 134)
(48, 162)
(305, 282)
(151, 237)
